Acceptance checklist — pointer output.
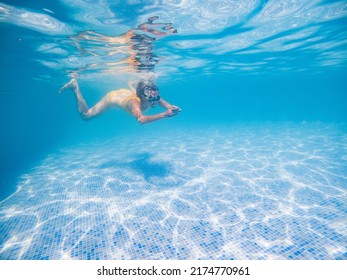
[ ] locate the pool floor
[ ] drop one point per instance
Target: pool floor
(235, 192)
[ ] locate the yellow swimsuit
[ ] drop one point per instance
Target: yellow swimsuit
(124, 103)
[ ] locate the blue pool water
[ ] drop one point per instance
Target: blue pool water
(254, 167)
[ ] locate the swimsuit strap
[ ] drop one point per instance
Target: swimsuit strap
(126, 101)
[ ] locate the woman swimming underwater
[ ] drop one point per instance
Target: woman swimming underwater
(134, 101)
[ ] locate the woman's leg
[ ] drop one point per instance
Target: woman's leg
(83, 108)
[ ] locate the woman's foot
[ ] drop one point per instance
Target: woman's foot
(72, 84)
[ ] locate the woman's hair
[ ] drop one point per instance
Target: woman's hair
(145, 84)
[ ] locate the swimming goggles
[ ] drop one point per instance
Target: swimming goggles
(149, 95)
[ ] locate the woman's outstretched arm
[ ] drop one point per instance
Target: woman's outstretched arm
(137, 113)
(167, 105)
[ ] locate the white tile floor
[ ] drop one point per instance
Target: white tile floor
(269, 192)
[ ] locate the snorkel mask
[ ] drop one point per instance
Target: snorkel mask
(151, 94)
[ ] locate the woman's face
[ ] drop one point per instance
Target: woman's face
(152, 96)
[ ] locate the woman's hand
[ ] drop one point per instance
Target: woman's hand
(172, 111)
(175, 108)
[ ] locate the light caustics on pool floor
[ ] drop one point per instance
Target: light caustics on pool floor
(275, 192)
